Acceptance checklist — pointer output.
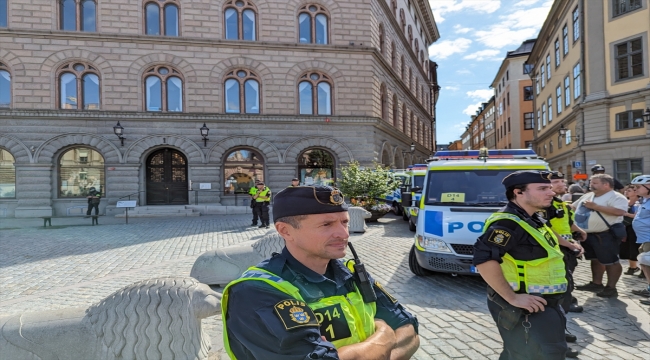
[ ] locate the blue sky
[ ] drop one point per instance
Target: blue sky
(474, 38)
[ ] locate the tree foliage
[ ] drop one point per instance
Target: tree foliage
(366, 184)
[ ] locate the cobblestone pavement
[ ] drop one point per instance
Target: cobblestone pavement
(75, 265)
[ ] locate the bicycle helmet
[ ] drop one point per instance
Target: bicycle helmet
(641, 180)
(597, 167)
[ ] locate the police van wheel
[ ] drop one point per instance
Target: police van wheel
(415, 267)
(411, 225)
(405, 215)
(397, 209)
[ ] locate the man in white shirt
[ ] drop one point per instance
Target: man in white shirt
(596, 212)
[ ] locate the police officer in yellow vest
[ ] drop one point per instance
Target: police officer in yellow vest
(306, 304)
(262, 199)
(520, 259)
(251, 192)
(295, 182)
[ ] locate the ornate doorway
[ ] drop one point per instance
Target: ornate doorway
(167, 178)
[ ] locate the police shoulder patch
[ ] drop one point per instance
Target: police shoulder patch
(499, 237)
(295, 313)
(388, 295)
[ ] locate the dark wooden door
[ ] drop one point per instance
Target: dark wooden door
(167, 178)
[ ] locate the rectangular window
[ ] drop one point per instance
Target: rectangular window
(558, 101)
(528, 68)
(543, 114)
(548, 66)
(565, 39)
(629, 59)
(529, 121)
(557, 52)
(559, 142)
(568, 137)
(576, 24)
(537, 84)
(567, 92)
(550, 109)
(629, 120)
(508, 124)
(507, 75)
(508, 97)
(528, 144)
(576, 81)
(3, 13)
(539, 123)
(528, 93)
(626, 170)
(624, 6)
(543, 76)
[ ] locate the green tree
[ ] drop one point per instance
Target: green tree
(366, 184)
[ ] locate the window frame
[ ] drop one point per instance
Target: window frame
(550, 109)
(4, 67)
(630, 120)
(232, 4)
(13, 164)
(233, 74)
(614, 7)
(567, 92)
(395, 113)
(577, 90)
(382, 39)
(161, 16)
(69, 68)
(78, 15)
(320, 10)
(548, 66)
(576, 23)
(323, 77)
(59, 167)
(558, 99)
(565, 39)
(245, 165)
(153, 70)
(628, 56)
(557, 53)
(629, 171)
(5, 14)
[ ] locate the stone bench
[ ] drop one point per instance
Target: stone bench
(47, 220)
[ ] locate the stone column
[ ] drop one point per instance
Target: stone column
(34, 190)
(122, 180)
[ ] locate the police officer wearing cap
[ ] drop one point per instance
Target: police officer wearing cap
(519, 257)
(295, 182)
(251, 192)
(262, 199)
(304, 303)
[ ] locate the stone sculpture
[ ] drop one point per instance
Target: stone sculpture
(221, 266)
(357, 219)
(152, 319)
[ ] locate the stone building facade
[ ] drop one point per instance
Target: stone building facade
(287, 89)
(592, 85)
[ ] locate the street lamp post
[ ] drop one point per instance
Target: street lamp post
(204, 134)
(119, 130)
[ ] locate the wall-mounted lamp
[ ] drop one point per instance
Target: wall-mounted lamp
(411, 151)
(562, 131)
(204, 134)
(119, 130)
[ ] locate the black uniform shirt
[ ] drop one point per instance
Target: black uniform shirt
(255, 330)
(506, 236)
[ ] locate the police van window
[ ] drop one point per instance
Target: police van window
(418, 181)
(458, 188)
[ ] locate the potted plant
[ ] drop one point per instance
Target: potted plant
(365, 185)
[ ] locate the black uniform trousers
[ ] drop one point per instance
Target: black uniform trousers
(261, 211)
(90, 208)
(545, 340)
(570, 262)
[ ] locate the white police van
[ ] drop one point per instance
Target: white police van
(461, 190)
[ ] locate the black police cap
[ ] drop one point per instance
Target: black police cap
(307, 200)
(295, 179)
(555, 175)
(523, 177)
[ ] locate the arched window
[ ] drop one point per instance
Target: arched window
(316, 167)
(240, 20)
(423, 61)
(77, 15)
(395, 109)
(408, 79)
(315, 92)
(410, 32)
(80, 168)
(163, 89)
(393, 55)
(313, 24)
(382, 36)
(162, 14)
(402, 19)
(5, 86)
(79, 86)
(417, 48)
(7, 175)
(403, 69)
(241, 169)
(3, 13)
(393, 5)
(410, 128)
(404, 114)
(384, 102)
(242, 92)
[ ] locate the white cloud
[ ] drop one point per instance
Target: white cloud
(461, 125)
(524, 3)
(461, 30)
(451, 88)
(444, 49)
(463, 72)
(483, 55)
(442, 7)
(513, 28)
(481, 94)
(471, 109)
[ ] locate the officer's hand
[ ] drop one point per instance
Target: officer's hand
(579, 247)
(529, 302)
(583, 235)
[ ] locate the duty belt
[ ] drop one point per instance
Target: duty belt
(554, 300)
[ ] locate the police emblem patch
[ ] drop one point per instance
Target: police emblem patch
(295, 313)
(499, 237)
(336, 197)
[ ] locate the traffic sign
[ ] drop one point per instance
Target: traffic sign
(577, 164)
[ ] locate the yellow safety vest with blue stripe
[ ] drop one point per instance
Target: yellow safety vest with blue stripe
(561, 225)
(262, 195)
(359, 315)
(541, 276)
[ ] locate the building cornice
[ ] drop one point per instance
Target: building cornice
(550, 25)
(424, 9)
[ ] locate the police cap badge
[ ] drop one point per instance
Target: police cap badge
(308, 200)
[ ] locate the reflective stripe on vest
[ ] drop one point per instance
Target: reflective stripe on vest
(561, 225)
(541, 276)
(360, 316)
(261, 197)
